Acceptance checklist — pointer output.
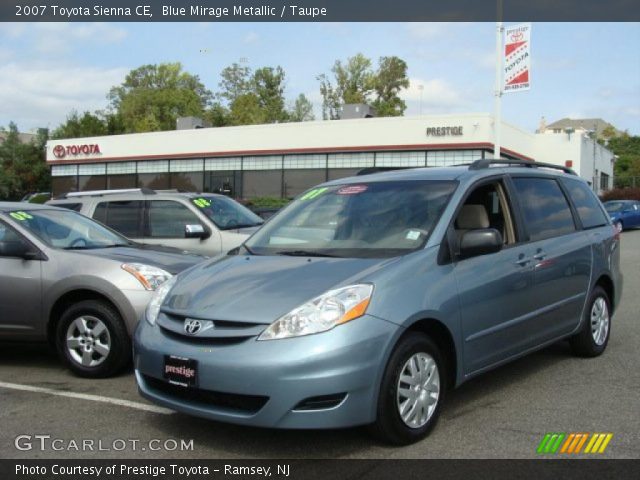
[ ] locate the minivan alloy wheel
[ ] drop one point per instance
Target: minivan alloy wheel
(599, 321)
(418, 390)
(88, 341)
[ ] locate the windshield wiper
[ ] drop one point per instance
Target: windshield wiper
(304, 253)
(242, 225)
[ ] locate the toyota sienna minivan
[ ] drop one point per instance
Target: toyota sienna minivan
(367, 299)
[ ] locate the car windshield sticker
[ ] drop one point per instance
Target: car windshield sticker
(201, 202)
(413, 235)
(21, 216)
(315, 193)
(352, 190)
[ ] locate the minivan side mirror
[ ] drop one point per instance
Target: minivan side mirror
(196, 231)
(18, 250)
(480, 242)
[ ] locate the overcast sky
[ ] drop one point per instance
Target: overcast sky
(579, 69)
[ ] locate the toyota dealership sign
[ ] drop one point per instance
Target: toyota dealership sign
(66, 151)
(517, 58)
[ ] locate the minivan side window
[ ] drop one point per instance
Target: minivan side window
(588, 206)
(167, 219)
(124, 217)
(545, 208)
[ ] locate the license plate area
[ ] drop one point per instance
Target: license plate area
(180, 371)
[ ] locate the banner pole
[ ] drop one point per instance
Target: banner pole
(497, 113)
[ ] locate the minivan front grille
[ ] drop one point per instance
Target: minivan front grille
(218, 331)
(249, 404)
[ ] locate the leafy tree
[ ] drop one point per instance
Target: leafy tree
(302, 110)
(236, 81)
(248, 98)
(22, 165)
(355, 81)
(152, 97)
(247, 110)
(76, 126)
(627, 166)
(389, 81)
(268, 86)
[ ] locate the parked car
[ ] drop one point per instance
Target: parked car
(208, 224)
(81, 286)
(367, 299)
(624, 213)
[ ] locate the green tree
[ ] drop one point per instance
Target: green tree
(355, 81)
(268, 86)
(389, 81)
(302, 110)
(152, 97)
(76, 126)
(22, 165)
(247, 110)
(235, 82)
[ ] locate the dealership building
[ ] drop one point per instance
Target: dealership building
(282, 160)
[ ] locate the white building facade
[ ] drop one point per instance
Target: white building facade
(282, 160)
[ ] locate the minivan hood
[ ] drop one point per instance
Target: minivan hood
(260, 289)
(173, 261)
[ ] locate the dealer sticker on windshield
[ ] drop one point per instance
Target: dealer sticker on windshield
(20, 216)
(201, 202)
(352, 190)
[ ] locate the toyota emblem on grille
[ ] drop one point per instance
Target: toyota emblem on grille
(192, 327)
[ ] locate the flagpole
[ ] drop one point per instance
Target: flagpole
(497, 113)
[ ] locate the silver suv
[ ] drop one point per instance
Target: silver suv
(69, 280)
(207, 223)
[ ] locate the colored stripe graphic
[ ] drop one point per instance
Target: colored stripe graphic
(573, 443)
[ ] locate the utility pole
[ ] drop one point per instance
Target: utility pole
(497, 108)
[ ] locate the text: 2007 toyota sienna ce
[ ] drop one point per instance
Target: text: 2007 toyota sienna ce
(368, 298)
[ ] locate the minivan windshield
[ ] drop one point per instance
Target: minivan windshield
(226, 213)
(68, 230)
(368, 219)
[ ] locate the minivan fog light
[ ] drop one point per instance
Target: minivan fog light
(322, 313)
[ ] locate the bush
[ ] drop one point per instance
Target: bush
(621, 194)
(265, 202)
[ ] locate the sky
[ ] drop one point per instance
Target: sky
(579, 70)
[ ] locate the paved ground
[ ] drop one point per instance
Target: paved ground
(503, 414)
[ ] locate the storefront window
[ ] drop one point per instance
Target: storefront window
(154, 181)
(266, 183)
(62, 185)
(297, 181)
(121, 181)
(92, 182)
(187, 181)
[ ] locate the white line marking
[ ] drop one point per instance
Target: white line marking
(85, 396)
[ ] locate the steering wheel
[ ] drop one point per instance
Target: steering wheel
(77, 242)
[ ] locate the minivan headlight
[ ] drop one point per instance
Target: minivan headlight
(324, 312)
(149, 277)
(153, 309)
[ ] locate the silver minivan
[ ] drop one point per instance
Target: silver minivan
(203, 223)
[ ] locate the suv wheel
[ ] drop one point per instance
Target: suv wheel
(592, 339)
(412, 391)
(92, 340)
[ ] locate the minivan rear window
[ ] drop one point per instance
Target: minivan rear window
(546, 210)
(587, 204)
(123, 216)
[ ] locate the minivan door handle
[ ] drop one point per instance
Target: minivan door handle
(522, 261)
(540, 256)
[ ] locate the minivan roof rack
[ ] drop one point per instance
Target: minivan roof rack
(99, 193)
(487, 162)
(372, 170)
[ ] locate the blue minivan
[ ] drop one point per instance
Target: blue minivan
(367, 299)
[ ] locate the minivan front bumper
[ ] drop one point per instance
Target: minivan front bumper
(281, 379)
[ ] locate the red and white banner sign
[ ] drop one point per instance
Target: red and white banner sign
(517, 58)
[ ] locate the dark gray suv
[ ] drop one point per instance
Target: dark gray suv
(368, 298)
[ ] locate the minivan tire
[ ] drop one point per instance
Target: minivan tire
(93, 325)
(389, 426)
(586, 342)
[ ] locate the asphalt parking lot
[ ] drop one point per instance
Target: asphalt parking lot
(503, 414)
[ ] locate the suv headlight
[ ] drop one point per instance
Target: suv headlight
(150, 277)
(153, 308)
(322, 313)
